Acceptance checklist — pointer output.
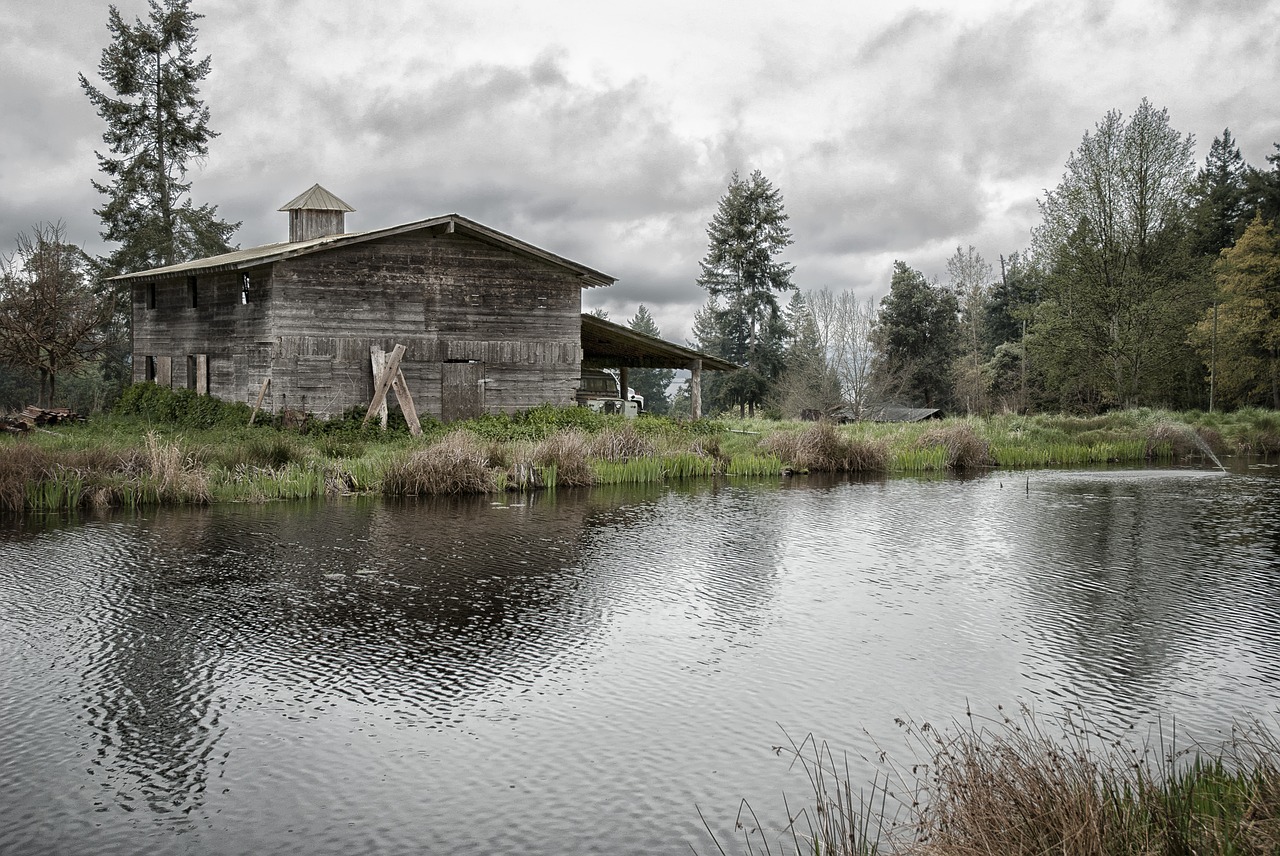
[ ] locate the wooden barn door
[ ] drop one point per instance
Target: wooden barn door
(462, 391)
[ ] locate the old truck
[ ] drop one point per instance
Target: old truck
(598, 389)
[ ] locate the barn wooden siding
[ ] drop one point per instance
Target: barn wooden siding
(448, 298)
(231, 339)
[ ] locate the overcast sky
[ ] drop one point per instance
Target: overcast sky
(607, 132)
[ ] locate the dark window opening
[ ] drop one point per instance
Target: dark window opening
(151, 369)
(246, 286)
(191, 371)
(151, 295)
(191, 290)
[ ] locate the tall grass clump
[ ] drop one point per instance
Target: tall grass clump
(568, 455)
(21, 465)
(621, 443)
(173, 476)
(457, 463)
(1027, 786)
(962, 449)
(822, 447)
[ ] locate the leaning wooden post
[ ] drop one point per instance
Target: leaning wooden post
(262, 393)
(378, 358)
(384, 382)
(695, 389)
(401, 387)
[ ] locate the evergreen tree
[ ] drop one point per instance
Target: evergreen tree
(156, 126)
(1263, 190)
(650, 383)
(918, 336)
(1218, 213)
(746, 234)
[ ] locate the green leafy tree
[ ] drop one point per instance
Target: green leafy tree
(971, 282)
(156, 127)
(917, 336)
(651, 383)
(743, 277)
(51, 320)
(1240, 338)
(1012, 300)
(1121, 288)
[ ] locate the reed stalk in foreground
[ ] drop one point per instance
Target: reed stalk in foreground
(1027, 785)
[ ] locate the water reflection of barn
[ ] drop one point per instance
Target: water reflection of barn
(490, 323)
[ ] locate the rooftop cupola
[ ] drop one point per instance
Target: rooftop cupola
(314, 214)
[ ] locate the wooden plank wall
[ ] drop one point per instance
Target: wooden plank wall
(447, 298)
(234, 338)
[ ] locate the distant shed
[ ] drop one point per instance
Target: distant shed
(895, 413)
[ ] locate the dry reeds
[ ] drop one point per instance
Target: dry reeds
(20, 465)
(458, 463)
(822, 447)
(173, 475)
(621, 444)
(1027, 786)
(568, 452)
(963, 449)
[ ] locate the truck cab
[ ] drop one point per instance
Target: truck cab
(598, 390)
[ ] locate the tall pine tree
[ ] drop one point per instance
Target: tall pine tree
(742, 274)
(156, 126)
(1219, 204)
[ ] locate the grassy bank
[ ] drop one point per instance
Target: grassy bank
(1023, 785)
(162, 447)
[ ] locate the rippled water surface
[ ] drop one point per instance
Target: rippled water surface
(574, 673)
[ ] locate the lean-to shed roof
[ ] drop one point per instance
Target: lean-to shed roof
(609, 345)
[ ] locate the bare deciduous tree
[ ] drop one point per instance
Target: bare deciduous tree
(844, 328)
(51, 320)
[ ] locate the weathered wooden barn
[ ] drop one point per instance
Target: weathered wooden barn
(489, 323)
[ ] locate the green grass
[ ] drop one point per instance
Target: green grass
(167, 448)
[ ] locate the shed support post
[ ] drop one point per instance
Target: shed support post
(624, 386)
(695, 389)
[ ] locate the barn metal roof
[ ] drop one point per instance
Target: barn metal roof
(270, 253)
(609, 345)
(316, 198)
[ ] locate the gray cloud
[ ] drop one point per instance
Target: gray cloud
(609, 138)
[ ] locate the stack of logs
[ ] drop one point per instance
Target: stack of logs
(33, 417)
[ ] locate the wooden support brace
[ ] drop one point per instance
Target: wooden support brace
(384, 382)
(403, 396)
(262, 393)
(378, 358)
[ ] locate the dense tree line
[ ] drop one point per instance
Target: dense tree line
(1149, 281)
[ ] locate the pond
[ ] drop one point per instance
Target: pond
(581, 672)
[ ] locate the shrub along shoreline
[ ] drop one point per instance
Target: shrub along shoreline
(165, 447)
